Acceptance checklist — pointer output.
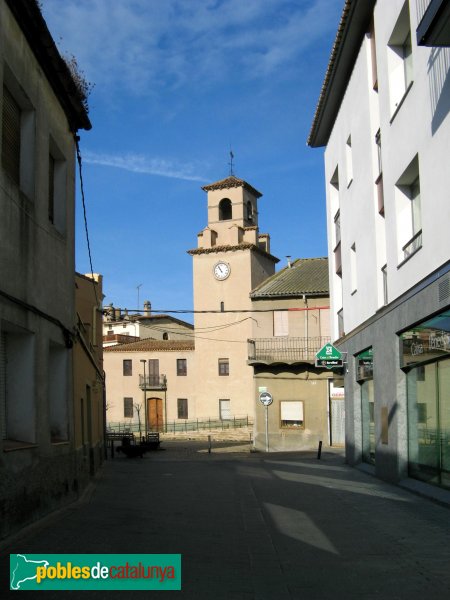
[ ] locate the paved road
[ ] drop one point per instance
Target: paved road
(256, 526)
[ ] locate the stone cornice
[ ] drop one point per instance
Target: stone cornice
(237, 247)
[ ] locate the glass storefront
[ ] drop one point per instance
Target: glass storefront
(425, 352)
(368, 422)
(365, 378)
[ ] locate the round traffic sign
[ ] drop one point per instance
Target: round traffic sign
(266, 398)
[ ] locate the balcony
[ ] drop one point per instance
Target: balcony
(153, 382)
(287, 350)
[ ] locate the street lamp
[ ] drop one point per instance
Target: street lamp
(143, 361)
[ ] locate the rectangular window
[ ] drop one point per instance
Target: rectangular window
(225, 410)
(400, 59)
(291, 414)
(182, 407)
(380, 194)
(378, 144)
(18, 135)
(349, 160)
(280, 323)
(57, 201)
(17, 384)
(408, 207)
(428, 422)
(11, 136)
(181, 366)
(224, 366)
(333, 191)
(368, 421)
(128, 408)
(340, 317)
(337, 249)
(127, 367)
(153, 372)
(337, 228)
(385, 284)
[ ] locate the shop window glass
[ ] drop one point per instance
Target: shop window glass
(368, 421)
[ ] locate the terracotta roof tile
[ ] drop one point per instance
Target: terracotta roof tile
(153, 346)
(231, 182)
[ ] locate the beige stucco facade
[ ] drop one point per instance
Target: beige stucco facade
(89, 399)
(39, 467)
(292, 323)
(168, 389)
(233, 240)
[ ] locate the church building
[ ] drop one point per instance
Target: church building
(231, 259)
(215, 370)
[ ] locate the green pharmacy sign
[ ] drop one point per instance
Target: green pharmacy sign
(329, 357)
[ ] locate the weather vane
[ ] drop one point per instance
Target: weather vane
(231, 163)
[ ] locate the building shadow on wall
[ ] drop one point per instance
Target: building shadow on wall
(439, 81)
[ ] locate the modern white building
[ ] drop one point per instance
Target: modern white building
(383, 117)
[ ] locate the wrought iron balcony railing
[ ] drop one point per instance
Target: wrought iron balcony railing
(285, 349)
(153, 382)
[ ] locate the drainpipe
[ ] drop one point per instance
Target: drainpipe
(305, 301)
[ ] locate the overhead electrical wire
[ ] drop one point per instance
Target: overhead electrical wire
(204, 329)
(202, 337)
(230, 311)
(80, 171)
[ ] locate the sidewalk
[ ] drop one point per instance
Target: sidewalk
(256, 526)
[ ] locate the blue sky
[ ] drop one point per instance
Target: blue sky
(176, 84)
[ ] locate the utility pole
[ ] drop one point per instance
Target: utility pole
(143, 361)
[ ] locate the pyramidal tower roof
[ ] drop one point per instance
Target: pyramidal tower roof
(231, 182)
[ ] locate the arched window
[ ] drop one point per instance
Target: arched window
(165, 336)
(225, 210)
(249, 212)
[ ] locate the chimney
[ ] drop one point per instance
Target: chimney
(147, 308)
(117, 314)
(109, 312)
(289, 264)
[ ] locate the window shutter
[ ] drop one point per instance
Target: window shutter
(11, 136)
(280, 323)
(292, 411)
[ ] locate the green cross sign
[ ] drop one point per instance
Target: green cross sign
(329, 357)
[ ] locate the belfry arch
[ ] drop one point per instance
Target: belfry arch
(225, 210)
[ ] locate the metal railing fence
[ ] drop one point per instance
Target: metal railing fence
(180, 425)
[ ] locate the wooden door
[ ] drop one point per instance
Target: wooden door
(155, 414)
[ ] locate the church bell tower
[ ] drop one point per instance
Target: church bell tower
(231, 259)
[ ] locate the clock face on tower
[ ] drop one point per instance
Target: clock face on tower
(221, 270)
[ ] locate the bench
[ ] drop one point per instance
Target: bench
(112, 436)
(151, 441)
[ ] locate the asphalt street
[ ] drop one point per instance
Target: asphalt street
(254, 526)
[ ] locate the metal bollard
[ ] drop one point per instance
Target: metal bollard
(209, 444)
(319, 450)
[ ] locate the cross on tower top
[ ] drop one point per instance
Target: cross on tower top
(231, 163)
